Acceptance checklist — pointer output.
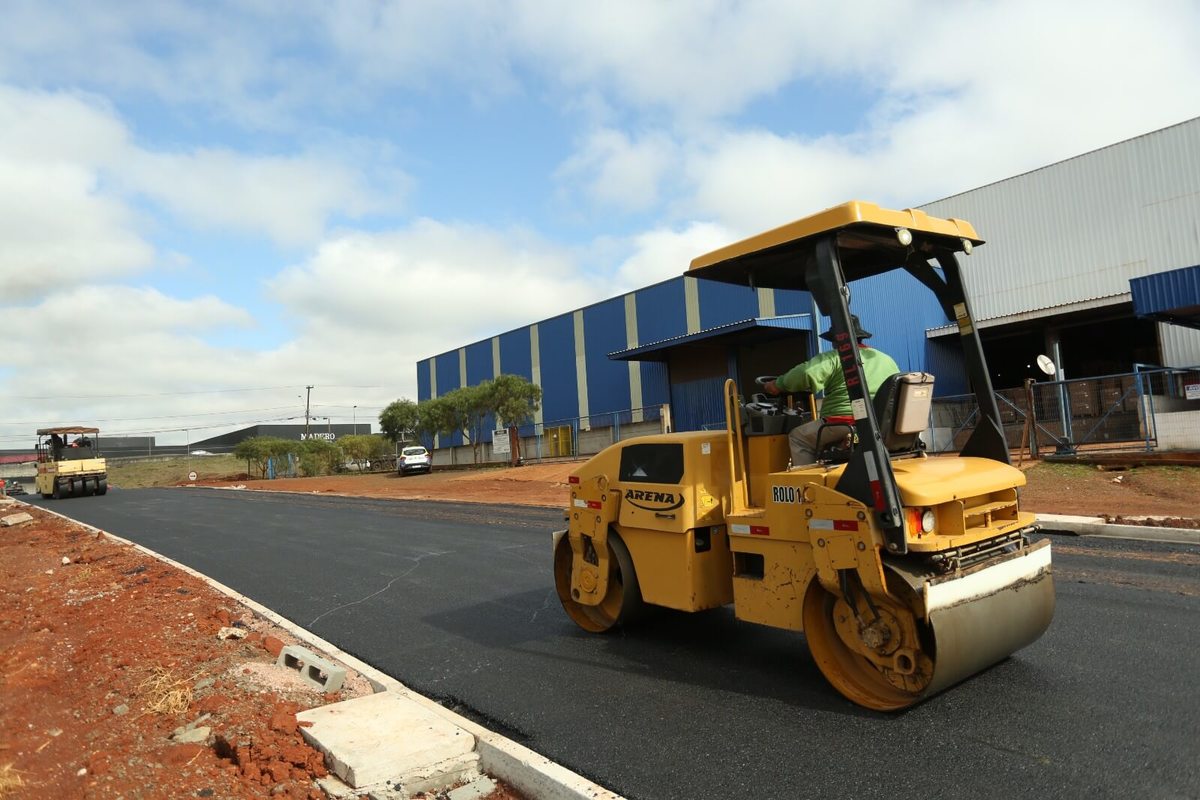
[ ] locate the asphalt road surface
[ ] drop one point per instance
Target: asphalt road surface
(457, 602)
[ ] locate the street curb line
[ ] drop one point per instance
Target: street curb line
(525, 770)
(1097, 526)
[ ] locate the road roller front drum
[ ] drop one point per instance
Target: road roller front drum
(623, 598)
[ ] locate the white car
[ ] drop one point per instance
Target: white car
(414, 459)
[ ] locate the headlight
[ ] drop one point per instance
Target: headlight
(927, 520)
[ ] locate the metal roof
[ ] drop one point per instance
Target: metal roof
(746, 330)
(67, 429)
(1081, 229)
(1172, 296)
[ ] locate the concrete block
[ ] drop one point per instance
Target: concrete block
(382, 737)
(323, 674)
(15, 519)
(475, 790)
(430, 780)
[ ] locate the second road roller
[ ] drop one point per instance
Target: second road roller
(906, 572)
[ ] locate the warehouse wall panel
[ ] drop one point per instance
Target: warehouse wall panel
(789, 301)
(722, 303)
(515, 357)
(608, 380)
(447, 374)
(661, 311)
(556, 353)
(655, 387)
(423, 379)
(897, 309)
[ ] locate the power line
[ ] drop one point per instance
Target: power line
(164, 416)
(176, 394)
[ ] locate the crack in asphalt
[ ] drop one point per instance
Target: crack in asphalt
(545, 604)
(416, 563)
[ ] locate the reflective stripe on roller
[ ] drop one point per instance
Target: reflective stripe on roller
(1020, 568)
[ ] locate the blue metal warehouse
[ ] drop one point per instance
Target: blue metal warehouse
(1068, 240)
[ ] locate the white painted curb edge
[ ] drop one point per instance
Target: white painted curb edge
(525, 770)
(1096, 526)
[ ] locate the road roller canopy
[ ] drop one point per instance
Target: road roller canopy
(870, 239)
(70, 429)
(821, 254)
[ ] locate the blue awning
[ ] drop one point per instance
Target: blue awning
(1172, 296)
(746, 331)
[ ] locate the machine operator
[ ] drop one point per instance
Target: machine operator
(823, 373)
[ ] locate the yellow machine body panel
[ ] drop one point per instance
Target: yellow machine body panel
(673, 526)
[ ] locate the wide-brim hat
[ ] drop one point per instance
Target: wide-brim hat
(859, 331)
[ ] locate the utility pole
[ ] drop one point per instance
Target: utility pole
(307, 399)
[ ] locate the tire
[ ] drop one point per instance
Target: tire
(102, 485)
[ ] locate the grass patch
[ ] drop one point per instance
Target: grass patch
(1049, 469)
(170, 471)
(10, 779)
(164, 693)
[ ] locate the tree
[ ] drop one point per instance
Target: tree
(259, 450)
(434, 416)
(467, 408)
(400, 420)
(514, 399)
(362, 449)
(514, 402)
(319, 456)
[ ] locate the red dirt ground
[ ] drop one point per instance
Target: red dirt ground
(103, 656)
(1051, 488)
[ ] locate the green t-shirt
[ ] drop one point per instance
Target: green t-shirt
(823, 373)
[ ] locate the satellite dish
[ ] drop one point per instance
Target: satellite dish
(1046, 365)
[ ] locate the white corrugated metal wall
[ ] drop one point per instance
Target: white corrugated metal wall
(1078, 230)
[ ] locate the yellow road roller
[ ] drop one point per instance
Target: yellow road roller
(906, 573)
(69, 463)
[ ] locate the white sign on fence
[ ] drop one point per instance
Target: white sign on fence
(1192, 391)
(500, 442)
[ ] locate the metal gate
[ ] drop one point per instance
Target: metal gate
(1117, 412)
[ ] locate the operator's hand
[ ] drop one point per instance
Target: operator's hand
(771, 388)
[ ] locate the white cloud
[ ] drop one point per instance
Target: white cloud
(618, 172)
(444, 282)
(664, 253)
(72, 177)
(287, 198)
(58, 226)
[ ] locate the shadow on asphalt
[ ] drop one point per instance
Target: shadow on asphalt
(709, 649)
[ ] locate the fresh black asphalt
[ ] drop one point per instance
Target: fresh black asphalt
(457, 602)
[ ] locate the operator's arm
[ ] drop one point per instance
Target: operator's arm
(811, 376)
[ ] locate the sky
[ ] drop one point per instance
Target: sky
(206, 208)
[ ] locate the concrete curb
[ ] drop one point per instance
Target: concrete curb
(1096, 526)
(525, 770)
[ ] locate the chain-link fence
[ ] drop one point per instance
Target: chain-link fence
(571, 437)
(1152, 408)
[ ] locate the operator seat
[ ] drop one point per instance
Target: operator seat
(901, 407)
